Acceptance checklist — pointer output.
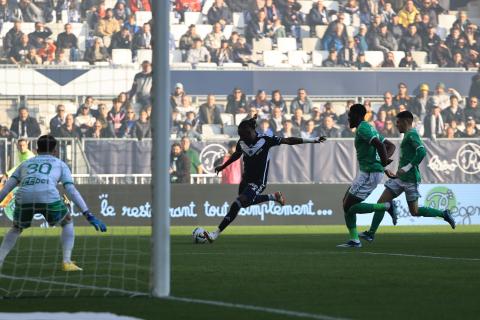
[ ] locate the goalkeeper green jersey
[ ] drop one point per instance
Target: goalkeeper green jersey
(408, 149)
(367, 155)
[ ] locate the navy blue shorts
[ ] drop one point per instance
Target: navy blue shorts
(250, 190)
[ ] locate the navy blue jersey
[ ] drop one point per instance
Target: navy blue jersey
(256, 158)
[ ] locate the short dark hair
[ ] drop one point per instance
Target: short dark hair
(46, 144)
(405, 115)
(359, 109)
(250, 124)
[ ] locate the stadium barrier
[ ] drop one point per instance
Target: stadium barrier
(307, 204)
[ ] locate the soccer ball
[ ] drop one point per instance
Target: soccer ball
(198, 236)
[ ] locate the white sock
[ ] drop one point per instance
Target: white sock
(216, 233)
(68, 238)
(387, 205)
(9, 242)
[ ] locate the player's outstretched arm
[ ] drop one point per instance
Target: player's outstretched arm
(294, 140)
(8, 187)
(235, 156)
(382, 151)
(390, 147)
(75, 196)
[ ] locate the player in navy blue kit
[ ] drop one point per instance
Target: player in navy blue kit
(255, 149)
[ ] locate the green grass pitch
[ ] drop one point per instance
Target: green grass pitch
(407, 273)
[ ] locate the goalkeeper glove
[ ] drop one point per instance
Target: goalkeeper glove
(96, 223)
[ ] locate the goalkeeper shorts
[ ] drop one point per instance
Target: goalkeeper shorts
(53, 212)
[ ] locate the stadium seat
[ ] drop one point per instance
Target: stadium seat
(227, 118)
(146, 54)
(227, 30)
(239, 118)
(203, 30)
(174, 18)
(320, 31)
(79, 63)
(6, 26)
(428, 66)
(399, 55)
(121, 56)
(375, 58)
(230, 130)
(446, 20)
(297, 58)
(193, 18)
(206, 65)
(238, 20)
(331, 5)
(181, 66)
(306, 6)
(209, 130)
(304, 31)
(311, 44)
(263, 44)
(286, 44)
(178, 30)
(273, 57)
(318, 57)
(175, 57)
(232, 65)
(102, 64)
(143, 17)
(206, 6)
(442, 32)
(420, 57)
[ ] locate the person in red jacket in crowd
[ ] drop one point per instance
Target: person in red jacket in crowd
(140, 5)
(182, 6)
(233, 173)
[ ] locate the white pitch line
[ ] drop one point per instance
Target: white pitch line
(290, 313)
(74, 285)
(420, 256)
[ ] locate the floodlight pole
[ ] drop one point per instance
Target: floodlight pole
(161, 150)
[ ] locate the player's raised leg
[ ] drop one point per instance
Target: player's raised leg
(386, 197)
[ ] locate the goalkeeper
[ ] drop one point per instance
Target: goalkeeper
(37, 193)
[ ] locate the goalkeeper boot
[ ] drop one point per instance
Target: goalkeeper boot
(447, 216)
(367, 235)
(280, 198)
(393, 212)
(350, 244)
(70, 266)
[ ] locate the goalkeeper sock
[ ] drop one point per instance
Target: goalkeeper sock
(363, 207)
(68, 238)
(9, 242)
(377, 219)
(263, 198)
(231, 215)
(429, 212)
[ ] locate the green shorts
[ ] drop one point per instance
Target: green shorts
(53, 212)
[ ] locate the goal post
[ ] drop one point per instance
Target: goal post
(161, 155)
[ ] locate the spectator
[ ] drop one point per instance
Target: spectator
(396, 28)
(348, 55)
(389, 61)
(142, 39)
(179, 165)
(273, 14)
(60, 58)
(455, 132)
(131, 25)
(242, 52)
(90, 104)
(297, 120)
(143, 128)
(58, 121)
(316, 116)
(99, 131)
(301, 101)
(120, 12)
(457, 61)
(31, 12)
(441, 55)
(432, 9)
(462, 21)
(198, 53)
(185, 106)
(142, 85)
(195, 163)
(332, 59)
(453, 112)
(182, 6)
(67, 40)
(471, 130)
(328, 112)
(69, 130)
(288, 130)
(38, 37)
(361, 39)
(188, 130)
(224, 54)
(264, 128)
(348, 132)
(388, 105)
(434, 124)
(452, 39)
(420, 103)
(97, 53)
(121, 40)
(389, 131)
(276, 121)
(258, 28)
(408, 13)
(25, 126)
(19, 52)
(403, 97)
(387, 13)
(261, 103)
(472, 110)
(236, 102)
(116, 116)
(411, 41)
(352, 13)
(219, 12)
(84, 121)
(318, 16)
(107, 27)
(213, 40)
(47, 52)
(335, 39)
(177, 95)
(9, 11)
(474, 90)
(441, 98)
(327, 129)
(233, 173)
(381, 120)
(361, 62)
(384, 40)
(127, 130)
(430, 41)
(187, 39)
(140, 5)
(309, 131)
(343, 118)
(370, 115)
(277, 101)
(209, 112)
(252, 112)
